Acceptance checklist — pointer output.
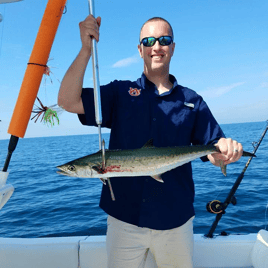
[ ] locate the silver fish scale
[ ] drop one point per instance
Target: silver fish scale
(147, 161)
(151, 161)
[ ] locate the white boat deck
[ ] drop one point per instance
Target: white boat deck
(236, 251)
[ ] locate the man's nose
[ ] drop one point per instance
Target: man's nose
(157, 45)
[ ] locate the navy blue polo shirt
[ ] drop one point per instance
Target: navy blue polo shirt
(135, 113)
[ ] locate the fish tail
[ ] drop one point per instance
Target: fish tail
(223, 168)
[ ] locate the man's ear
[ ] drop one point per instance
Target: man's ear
(173, 48)
(140, 50)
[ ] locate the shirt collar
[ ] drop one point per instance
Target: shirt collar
(145, 83)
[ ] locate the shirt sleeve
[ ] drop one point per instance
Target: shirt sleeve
(206, 130)
(107, 106)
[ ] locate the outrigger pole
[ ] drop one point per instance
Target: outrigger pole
(31, 83)
(97, 99)
(218, 207)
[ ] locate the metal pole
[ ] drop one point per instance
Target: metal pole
(97, 98)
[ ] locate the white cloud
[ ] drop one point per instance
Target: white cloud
(264, 85)
(219, 91)
(127, 61)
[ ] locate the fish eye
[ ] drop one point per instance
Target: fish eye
(71, 168)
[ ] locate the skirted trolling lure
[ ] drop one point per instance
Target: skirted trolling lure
(50, 113)
(49, 116)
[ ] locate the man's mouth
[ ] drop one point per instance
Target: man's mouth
(157, 56)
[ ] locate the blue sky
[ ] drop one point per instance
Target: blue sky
(221, 53)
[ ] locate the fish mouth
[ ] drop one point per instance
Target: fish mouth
(61, 171)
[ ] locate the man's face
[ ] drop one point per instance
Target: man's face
(157, 57)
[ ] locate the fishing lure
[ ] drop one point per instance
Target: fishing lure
(50, 113)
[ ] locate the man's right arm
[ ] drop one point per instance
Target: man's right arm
(69, 97)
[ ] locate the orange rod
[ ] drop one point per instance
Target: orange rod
(33, 75)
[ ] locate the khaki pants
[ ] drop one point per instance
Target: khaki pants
(128, 245)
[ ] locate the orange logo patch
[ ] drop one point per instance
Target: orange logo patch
(134, 92)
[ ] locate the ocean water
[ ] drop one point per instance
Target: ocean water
(46, 204)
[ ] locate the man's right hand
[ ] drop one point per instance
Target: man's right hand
(89, 28)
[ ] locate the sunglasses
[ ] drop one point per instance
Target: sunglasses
(163, 41)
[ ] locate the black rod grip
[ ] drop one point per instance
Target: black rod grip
(11, 148)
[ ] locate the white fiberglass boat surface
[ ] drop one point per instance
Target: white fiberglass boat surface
(89, 252)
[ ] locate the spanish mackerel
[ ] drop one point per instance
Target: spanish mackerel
(146, 161)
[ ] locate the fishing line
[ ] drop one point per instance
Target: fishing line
(254, 144)
(222, 187)
(37, 64)
(226, 182)
(266, 222)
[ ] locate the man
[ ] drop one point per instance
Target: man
(148, 214)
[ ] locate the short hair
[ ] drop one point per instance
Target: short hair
(158, 19)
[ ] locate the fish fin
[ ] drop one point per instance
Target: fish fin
(98, 169)
(223, 168)
(149, 144)
(158, 178)
(248, 154)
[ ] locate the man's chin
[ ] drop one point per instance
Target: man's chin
(158, 68)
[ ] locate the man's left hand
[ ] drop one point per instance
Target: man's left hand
(230, 151)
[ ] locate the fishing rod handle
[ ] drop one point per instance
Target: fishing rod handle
(95, 67)
(11, 148)
(214, 226)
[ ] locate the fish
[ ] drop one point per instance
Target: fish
(146, 161)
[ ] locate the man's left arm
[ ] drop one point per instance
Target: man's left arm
(208, 131)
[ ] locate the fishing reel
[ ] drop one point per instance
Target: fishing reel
(217, 207)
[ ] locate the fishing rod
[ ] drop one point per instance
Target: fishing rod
(97, 99)
(6, 190)
(30, 85)
(13, 139)
(217, 207)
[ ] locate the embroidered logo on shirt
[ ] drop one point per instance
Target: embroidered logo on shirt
(191, 105)
(134, 92)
